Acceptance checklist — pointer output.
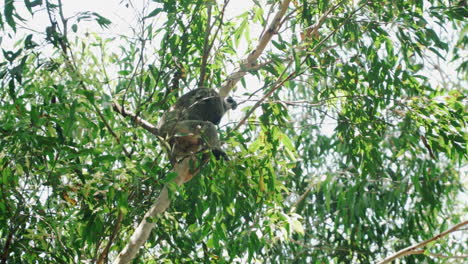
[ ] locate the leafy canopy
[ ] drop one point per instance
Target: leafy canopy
(355, 149)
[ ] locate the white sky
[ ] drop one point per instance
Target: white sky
(122, 17)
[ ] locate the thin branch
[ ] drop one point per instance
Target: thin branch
(138, 120)
(209, 44)
(303, 196)
(6, 248)
(313, 30)
(448, 257)
(337, 28)
(415, 249)
(106, 124)
(143, 41)
(115, 231)
(15, 224)
(270, 11)
(206, 48)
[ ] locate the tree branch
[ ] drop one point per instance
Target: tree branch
(415, 249)
(138, 120)
(6, 248)
(142, 232)
(104, 254)
(251, 59)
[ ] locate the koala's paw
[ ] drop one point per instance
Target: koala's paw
(218, 153)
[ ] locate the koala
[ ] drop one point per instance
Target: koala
(189, 126)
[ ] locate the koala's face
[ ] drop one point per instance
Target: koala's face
(229, 103)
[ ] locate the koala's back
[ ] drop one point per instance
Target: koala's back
(200, 104)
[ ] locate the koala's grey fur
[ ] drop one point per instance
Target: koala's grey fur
(189, 125)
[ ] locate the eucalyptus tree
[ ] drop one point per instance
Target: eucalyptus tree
(349, 146)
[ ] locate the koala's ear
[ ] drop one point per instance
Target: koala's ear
(229, 103)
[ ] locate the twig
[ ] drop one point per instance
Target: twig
(449, 257)
(301, 198)
(106, 124)
(211, 44)
(313, 30)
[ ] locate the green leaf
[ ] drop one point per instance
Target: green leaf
(102, 21)
(297, 62)
(28, 5)
(154, 13)
(124, 72)
(9, 10)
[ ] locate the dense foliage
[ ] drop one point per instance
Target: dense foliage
(356, 150)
